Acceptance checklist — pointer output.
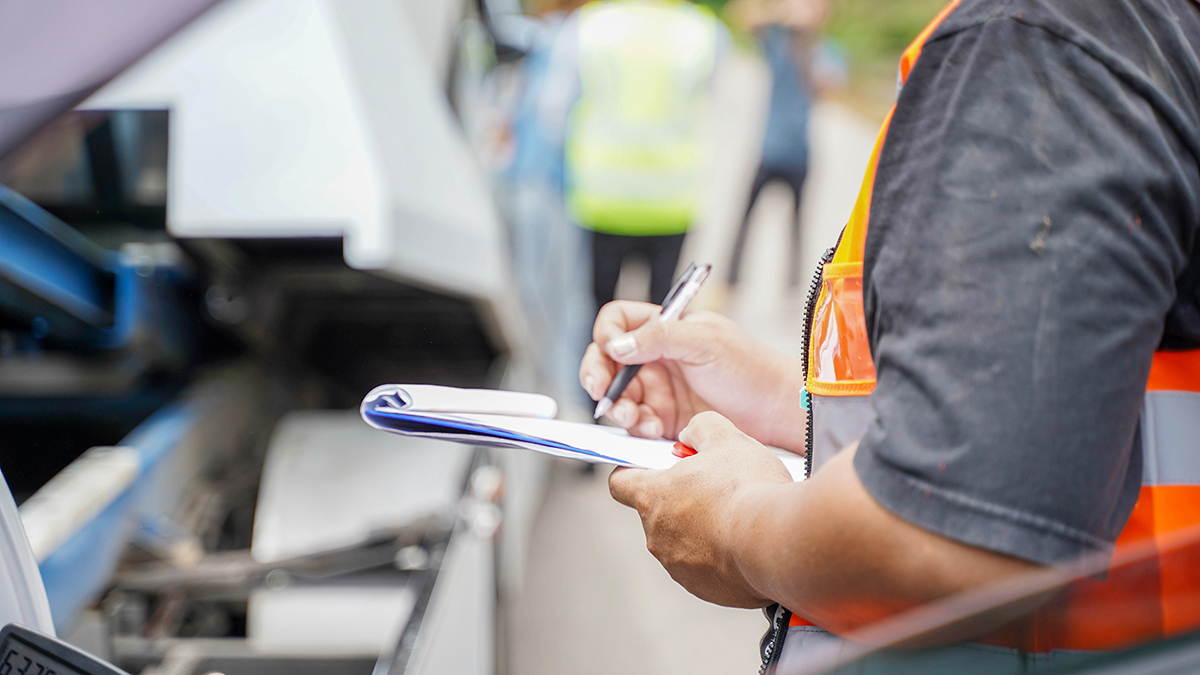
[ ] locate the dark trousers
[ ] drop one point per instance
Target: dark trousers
(609, 252)
(794, 179)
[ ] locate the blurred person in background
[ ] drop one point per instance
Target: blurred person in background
(788, 32)
(551, 255)
(630, 83)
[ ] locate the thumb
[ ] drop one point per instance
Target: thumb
(656, 339)
(626, 485)
(708, 429)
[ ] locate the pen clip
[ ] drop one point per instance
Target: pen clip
(678, 285)
(680, 299)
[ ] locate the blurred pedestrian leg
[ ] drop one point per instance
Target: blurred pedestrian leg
(610, 252)
(794, 178)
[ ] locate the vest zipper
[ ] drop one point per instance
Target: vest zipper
(810, 307)
(772, 645)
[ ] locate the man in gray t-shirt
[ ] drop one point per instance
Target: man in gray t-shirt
(1035, 211)
(1032, 242)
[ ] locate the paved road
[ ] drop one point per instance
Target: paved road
(594, 601)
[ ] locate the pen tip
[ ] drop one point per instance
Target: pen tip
(602, 407)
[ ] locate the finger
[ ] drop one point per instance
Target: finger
(636, 389)
(687, 341)
(626, 485)
(615, 318)
(659, 393)
(624, 413)
(596, 371)
(649, 424)
(706, 429)
(621, 316)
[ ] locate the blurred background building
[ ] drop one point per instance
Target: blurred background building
(208, 261)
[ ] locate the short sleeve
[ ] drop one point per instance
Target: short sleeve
(1030, 216)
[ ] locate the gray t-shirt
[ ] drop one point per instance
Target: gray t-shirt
(1032, 242)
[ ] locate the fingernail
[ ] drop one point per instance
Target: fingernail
(622, 346)
(650, 429)
(589, 385)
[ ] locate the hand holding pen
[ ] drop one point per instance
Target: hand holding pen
(677, 300)
(703, 362)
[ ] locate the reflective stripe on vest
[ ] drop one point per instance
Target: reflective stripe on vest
(1132, 605)
(635, 145)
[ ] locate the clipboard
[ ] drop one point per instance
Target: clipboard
(510, 419)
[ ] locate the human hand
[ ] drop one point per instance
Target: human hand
(699, 363)
(690, 511)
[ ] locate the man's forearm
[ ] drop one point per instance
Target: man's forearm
(826, 550)
(780, 420)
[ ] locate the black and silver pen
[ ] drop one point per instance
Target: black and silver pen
(677, 300)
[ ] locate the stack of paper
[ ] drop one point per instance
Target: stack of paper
(514, 420)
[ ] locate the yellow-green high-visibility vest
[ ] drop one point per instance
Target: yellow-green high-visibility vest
(635, 139)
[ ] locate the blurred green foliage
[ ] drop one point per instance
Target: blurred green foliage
(871, 30)
(715, 5)
(876, 32)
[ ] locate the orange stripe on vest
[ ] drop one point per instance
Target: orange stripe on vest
(1150, 593)
(909, 59)
(1175, 371)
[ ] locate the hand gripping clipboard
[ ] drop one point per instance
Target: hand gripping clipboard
(510, 419)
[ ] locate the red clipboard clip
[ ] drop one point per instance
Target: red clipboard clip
(681, 450)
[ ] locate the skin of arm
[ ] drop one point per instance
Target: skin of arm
(731, 527)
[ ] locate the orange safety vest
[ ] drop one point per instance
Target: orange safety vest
(1131, 605)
